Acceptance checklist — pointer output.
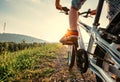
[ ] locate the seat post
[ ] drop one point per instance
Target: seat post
(98, 13)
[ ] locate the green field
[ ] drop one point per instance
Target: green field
(28, 65)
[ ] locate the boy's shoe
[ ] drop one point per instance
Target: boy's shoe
(69, 38)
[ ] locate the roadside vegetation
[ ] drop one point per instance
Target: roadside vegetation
(30, 64)
(39, 63)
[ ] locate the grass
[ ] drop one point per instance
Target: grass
(28, 64)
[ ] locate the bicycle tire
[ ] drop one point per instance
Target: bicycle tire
(71, 57)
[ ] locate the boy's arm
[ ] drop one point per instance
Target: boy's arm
(57, 4)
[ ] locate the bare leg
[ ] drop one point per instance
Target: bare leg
(73, 18)
(72, 35)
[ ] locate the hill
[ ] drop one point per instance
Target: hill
(18, 38)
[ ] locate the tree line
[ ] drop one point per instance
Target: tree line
(12, 46)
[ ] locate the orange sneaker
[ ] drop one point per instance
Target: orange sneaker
(69, 38)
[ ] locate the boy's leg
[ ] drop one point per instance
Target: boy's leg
(72, 35)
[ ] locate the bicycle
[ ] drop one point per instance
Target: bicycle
(105, 61)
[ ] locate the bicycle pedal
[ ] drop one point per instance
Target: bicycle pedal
(69, 43)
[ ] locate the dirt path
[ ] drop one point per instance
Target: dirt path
(62, 74)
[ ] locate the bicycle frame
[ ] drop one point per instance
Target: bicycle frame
(97, 39)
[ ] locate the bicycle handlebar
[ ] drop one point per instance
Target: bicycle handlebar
(66, 11)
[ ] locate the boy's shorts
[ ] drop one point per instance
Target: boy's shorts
(77, 3)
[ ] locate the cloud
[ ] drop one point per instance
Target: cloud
(23, 1)
(32, 17)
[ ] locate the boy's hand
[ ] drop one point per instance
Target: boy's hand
(57, 4)
(93, 12)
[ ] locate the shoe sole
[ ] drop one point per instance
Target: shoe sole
(72, 41)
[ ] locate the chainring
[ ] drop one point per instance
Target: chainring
(82, 60)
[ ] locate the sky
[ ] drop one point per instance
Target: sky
(40, 18)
